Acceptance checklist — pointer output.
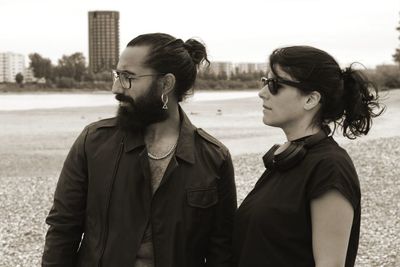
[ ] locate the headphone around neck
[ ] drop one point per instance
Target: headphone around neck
(294, 153)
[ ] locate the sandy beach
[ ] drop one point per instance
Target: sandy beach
(35, 143)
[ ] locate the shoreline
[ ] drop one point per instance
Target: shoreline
(236, 122)
(55, 100)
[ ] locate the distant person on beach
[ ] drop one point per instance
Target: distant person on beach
(305, 208)
(146, 188)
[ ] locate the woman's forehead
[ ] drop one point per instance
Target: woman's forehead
(278, 71)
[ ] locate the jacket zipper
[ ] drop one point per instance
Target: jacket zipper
(105, 236)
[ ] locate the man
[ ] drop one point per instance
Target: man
(146, 188)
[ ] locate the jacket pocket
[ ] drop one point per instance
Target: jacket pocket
(202, 198)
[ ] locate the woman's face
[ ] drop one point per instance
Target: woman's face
(285, 108)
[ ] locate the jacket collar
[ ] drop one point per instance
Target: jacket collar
(185, 147)
(133, 140)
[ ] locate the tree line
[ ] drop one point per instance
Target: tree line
(71, 72)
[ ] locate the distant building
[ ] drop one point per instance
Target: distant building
(29, 77)
(241, 68)
(250, 67)
(221, 68)
(103, 40)
(262, 67)
(10, 65)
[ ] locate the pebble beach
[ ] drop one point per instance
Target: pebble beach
(34, 145)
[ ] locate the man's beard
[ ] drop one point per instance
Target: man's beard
(142, 112)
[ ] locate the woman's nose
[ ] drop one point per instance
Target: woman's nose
(263, 93)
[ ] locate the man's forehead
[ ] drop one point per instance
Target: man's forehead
(133, 58)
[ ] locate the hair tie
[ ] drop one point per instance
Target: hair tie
(346, 72)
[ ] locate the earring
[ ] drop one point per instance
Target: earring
(164, 99)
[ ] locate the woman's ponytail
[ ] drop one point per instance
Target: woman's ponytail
(360, 103)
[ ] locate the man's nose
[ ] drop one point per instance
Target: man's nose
(117, 88)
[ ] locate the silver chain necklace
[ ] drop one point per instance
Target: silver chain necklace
(162, 156)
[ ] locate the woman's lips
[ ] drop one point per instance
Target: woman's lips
(265, 107)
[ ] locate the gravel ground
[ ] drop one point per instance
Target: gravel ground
(377, 164)
(25, 201)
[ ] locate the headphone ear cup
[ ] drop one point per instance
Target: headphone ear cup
(268, 158)
(290, 157)
(285, 160)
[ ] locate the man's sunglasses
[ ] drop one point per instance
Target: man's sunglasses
(274, 84)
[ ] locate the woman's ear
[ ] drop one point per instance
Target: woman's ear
(168, 83)
(312, 100)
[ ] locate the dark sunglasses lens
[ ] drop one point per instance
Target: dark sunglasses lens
(273, 87)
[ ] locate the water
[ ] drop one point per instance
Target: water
(28, 101)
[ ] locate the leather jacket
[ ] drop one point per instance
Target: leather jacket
(103, 201)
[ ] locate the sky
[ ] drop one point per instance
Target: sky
(236, 31)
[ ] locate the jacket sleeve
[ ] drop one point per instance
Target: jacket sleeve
(66, 217)
(220, 243)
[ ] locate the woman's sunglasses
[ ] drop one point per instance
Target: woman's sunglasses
(274, 84)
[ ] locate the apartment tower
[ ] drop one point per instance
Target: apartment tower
(10, 65)
(103, 40)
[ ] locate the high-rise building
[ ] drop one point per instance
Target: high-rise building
(10, 65)
(103, 40)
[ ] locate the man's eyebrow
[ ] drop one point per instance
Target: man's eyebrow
(125, 71)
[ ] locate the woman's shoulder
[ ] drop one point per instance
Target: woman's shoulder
(329, 152)
(332, 167)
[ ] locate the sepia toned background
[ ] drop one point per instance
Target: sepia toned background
(40, 119)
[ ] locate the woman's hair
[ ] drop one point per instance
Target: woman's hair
(348, 98)
(170, 55)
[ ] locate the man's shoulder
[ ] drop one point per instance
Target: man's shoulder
(211, 139)
(104, 123)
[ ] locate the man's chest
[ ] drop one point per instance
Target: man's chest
(157, 170)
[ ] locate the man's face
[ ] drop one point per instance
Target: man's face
(140, 105)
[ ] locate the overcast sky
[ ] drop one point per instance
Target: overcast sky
(237, 31)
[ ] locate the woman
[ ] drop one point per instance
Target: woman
(305, 208)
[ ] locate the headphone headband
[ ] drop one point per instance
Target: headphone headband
(316, 138)
(294, 153)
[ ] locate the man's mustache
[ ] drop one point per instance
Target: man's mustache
(124, 98)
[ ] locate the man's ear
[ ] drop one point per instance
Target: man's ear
(168, 83)
(312, 100)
